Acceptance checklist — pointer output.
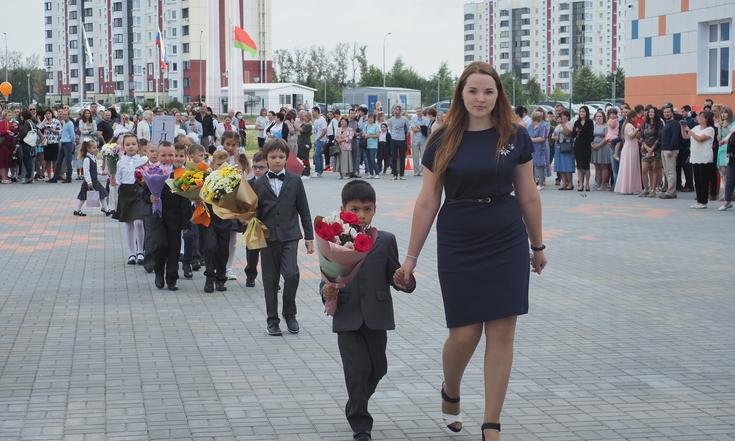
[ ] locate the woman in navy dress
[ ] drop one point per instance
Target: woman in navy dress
(478, 158)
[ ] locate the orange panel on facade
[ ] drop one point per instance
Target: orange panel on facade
(641, 9)
(678, 89)
(684, 5)
(661, 25)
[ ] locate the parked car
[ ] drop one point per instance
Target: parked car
(322, 107)
(77, 108)
(547, 108)
(440, 106)
(343, 107)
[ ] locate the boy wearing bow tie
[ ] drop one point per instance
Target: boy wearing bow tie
(281, 203)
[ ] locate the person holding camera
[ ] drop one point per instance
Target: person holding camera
(420, 132)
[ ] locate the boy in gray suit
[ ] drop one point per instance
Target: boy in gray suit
(365, 312)
(281, 203)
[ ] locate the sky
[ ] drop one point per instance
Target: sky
(424, 32)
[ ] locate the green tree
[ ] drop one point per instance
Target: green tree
(513, 89)
(559, 95)
(587, 86)
(532, 92)
(619, 79)
(21, 72)
(373, 76)
(439, 86)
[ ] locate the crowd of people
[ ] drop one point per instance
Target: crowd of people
(644, 151)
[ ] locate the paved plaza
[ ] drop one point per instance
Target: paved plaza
(630, 336)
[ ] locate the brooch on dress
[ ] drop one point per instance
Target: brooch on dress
(506, 149)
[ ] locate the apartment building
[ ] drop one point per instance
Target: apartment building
(546, 39)
(106, 50)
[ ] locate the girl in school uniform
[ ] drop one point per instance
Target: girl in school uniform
(88, 154)
(130, 206)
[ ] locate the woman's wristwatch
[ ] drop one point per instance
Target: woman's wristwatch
(541, 248)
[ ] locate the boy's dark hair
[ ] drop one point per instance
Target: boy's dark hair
(142, 142)
(258, 156)
(275, 144)
(358, 190)
(164, 144)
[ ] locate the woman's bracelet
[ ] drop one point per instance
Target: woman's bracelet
(541, 248)
(408, 256)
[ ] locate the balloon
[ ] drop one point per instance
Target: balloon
(6, 88)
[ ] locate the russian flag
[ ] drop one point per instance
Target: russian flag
(162, 49)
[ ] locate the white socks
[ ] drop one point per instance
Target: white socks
(233, 242)
(135, 235)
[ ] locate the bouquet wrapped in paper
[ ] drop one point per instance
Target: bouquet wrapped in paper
(155, 177)
(343, 245)
(187, 182)
(110, 156)
(232, 197)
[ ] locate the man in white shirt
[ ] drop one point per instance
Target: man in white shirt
(319, 128)
(419, 134)
(144, 126)
(331, 131)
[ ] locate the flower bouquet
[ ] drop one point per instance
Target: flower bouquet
(110, 156)
(343, 245)
(187, 182)
(155, 177)
(232, 197)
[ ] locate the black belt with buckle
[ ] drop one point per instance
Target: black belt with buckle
(485, 200)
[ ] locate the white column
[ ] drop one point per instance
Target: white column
(235, 99)
(214, 76)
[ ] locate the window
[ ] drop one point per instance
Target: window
(718, 54)
(469, 17)
(564, 17)
(185, 48)
(48, 20)
(634, 29)
(564, 7)
(504, 13)
(74, 58)
(89, 72)
(118, 54)
(504, 66)
(117, 6)
(88, 27)
(185, 13)
(504, 24)
(469, 27)
(175, 84)
(87, 12)
(73, 44)
(49, 62)
(469, 37)
(117, 38)
(89, 87)
(119, 85)
(49, 34)
(647, 47)
(174, 67)
(48, 6)
(469, 47)
(75, 87)
(117, 22)
(174, 49)
(187, 65)
(49, 89)
(49, 48)
(504, 56)
(74, 73)
(185, 30)
(119, 70)
(284, 99)
(677, 43)
(468, 58)
(90, 42)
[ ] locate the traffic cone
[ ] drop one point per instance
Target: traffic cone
(408, 160)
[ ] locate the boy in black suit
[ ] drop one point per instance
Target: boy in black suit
(175, 216)
(260, 167)
(281, 203)
(365, 312)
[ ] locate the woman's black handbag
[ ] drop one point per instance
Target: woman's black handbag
(566, 146)
(334, 150)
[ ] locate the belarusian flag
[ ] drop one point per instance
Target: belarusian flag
(243, 41)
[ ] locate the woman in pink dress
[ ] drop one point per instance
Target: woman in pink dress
(629, 176)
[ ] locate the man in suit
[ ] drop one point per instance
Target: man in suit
(281, 204)
(365, 312)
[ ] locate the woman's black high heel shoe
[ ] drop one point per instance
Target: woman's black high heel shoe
(451, 420)
(492, 426)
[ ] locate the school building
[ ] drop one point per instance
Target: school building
(680, 51)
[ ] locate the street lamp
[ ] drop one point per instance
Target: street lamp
(28, 78)
(6, 55)
(201, 38)
(325, 92)
(386, 36)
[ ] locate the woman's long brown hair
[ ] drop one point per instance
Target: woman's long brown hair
(451, 133)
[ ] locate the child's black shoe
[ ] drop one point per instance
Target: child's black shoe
(220, 285)
(209, 284)
(159, 281)
(187, 270)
